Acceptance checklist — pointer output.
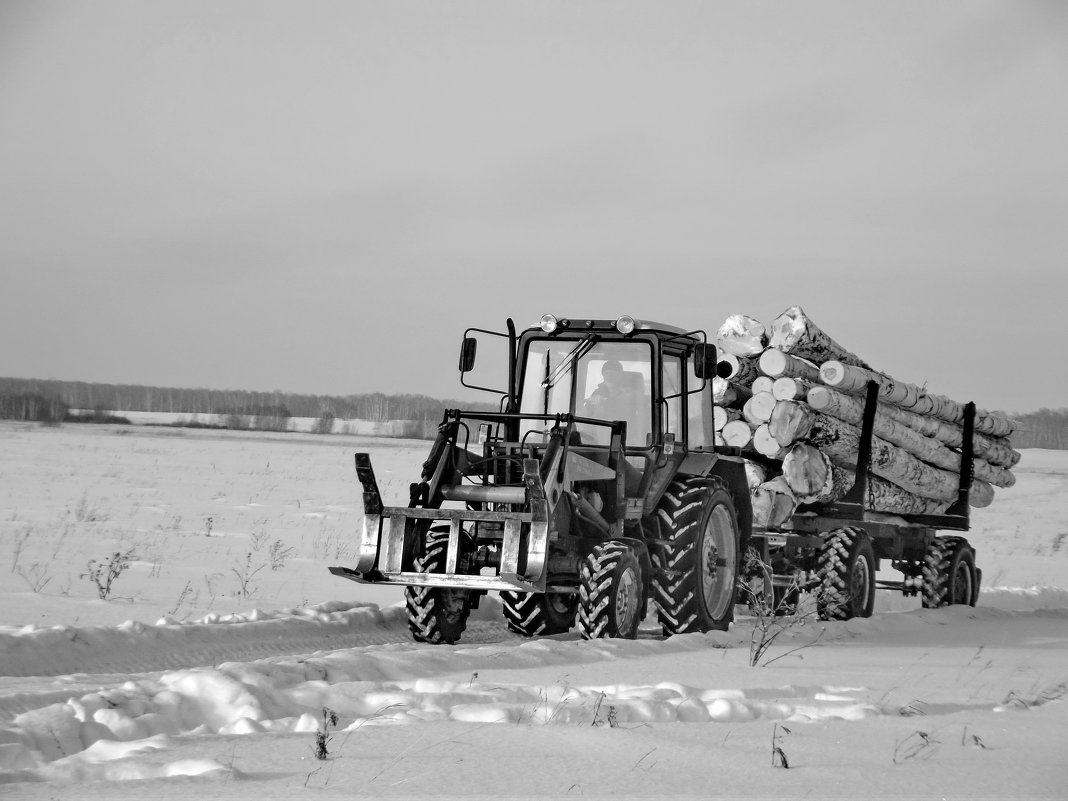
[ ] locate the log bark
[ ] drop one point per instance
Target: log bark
(764, 443)
(762, 383)
(807, 467)
(884, 496)
(724, 393)
(777, 364)
(791, 388)
(758, 408)
(794, 332)
(773, 503)
(739, 370)
(995, 451)
(850, 409)
(840, 441)
(737, 434)
(742, 336)
(849, 378)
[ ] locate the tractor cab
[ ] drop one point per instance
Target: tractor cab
(642, 383)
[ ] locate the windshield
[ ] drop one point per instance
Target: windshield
(601, 380)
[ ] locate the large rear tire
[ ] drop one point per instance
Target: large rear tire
(949, 573)
(532, 614)
(610, 598)
(436, 614)
(695, 576)
(847, 576)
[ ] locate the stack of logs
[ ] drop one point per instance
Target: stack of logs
(796, 397)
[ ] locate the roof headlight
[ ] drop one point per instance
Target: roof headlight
(548, 323)
(626, 324)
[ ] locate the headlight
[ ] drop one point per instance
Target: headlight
(548, 323)
(626, 324)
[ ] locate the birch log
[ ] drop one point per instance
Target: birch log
(737, 434)
(794, 332)
(722, 415)
(739, 370)
(765, 444)
(773, 503)
(995, 451)
(777, 364)
(762, 383)
(806, 467)
(811, 475)
(848, 378)
(791, 388)
(840, 441)
(851, 409)
(758, 408)
(884, 496)
(742, 336)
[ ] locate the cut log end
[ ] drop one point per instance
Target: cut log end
(737, 434)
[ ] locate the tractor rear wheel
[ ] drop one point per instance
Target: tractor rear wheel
(847, 576)
(696, 574)
(610, 598)
(436, 614)
(949, 573)
(531, 614)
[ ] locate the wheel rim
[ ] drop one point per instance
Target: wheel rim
(859, 583)
(961, 588)
(626, 600)
(718, 558)
(453, 602)
(561, 604)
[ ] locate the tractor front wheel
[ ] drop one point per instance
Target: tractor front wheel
(532, 614)
(436, 614)
(610, 600)
(696, 573)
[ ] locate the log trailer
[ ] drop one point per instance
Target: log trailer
(598, 490)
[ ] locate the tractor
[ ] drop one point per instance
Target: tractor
(595, 492)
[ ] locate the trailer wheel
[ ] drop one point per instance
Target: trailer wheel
(949, 573)
(610, 592)
(696, 574)
(436, 614)
(847, 576)
(531, 614)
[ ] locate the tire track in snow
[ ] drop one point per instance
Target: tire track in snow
(134, 647)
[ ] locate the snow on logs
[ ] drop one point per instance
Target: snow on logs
(742, 336)
(800, 395)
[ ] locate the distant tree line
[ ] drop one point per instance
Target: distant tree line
(51, 400)
(1046, 428)
(32, 406)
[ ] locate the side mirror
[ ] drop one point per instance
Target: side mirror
(467, 354)
(704, 360)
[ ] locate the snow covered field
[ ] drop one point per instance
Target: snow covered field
(206, 671)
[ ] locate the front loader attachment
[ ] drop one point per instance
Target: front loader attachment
(392, 536)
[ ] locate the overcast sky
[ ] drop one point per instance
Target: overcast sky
(320, 196)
